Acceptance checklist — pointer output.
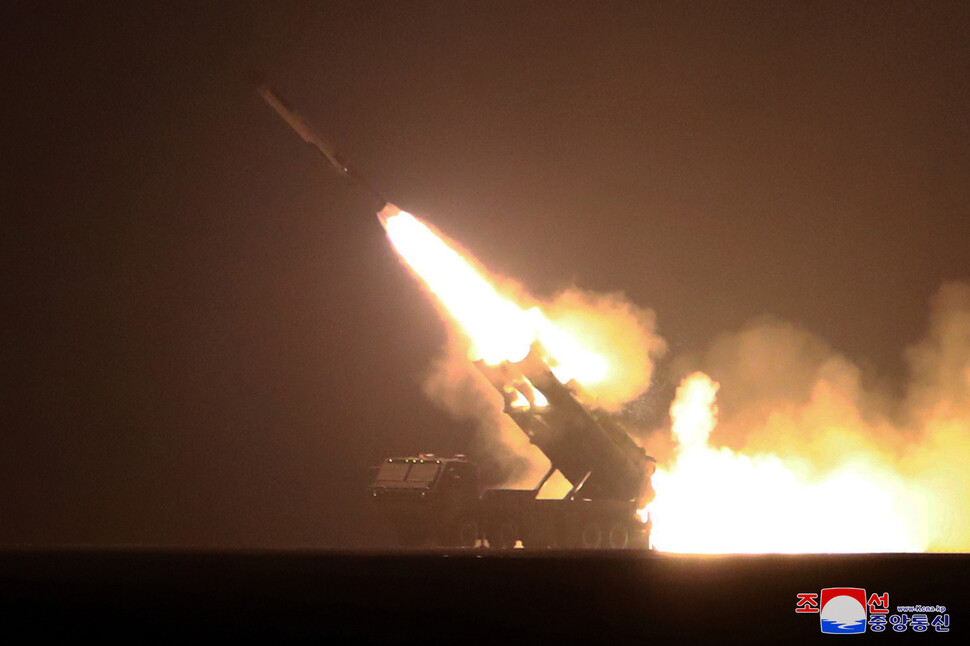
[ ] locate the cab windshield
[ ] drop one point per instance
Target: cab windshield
(423, 472)
(392, 471)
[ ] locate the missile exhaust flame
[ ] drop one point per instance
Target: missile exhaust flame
(499, 330)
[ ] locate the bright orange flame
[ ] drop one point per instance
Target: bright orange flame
(538, 399)
(499, 329)
(519, 402)
(713, 500)
(573, 360)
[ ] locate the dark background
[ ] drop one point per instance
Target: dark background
(412, 598)
(206, 339)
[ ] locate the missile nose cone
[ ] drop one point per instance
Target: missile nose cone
(324, 147)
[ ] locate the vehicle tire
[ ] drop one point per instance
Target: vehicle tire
(506, 534)
(466, 532)
(591, 537)
(619, 536)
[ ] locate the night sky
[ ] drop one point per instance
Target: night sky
(207, 340)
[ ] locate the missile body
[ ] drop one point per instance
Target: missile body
(324, 147)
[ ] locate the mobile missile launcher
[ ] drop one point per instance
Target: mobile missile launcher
(430, 500)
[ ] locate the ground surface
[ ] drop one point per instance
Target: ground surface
(468, 597)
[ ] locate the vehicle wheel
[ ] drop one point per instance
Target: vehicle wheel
(466, 532)
(592, 536)
(619, 536)
(506, 534)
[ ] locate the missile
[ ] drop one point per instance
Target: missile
(324, 147)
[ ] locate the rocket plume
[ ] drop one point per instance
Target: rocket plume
(774, 471)
(499, 330)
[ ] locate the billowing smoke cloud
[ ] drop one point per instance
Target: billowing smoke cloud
(786, 392)
(938, 406)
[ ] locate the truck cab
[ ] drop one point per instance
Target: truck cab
(429, 500)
